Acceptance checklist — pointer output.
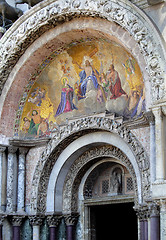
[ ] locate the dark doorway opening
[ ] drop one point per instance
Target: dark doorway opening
(114, 221)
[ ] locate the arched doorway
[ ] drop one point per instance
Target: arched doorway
(109, 199)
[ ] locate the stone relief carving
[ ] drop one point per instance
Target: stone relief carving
(73, 131)
(50, 14)
(71, 186)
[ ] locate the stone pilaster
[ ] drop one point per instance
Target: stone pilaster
(3, 175)
(154, 221)
(53, 222)
(159, 140)
(36, 222)
(21, 180)
(70, 220)
(11, 180)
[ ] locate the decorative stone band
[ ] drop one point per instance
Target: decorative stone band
(70, 133)
(54, 220)
(17, 220)
(49, 14)
(143, 212)
(71, 219)
(36, 220)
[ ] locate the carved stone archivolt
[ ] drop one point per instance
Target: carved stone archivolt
(72, 132)
(72, 181)
(49, 14)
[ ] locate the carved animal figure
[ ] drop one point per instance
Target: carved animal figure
(30, 3)
(9, 12)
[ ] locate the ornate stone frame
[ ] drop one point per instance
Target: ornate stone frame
(74, 176)
(49, 14)
(72, 132)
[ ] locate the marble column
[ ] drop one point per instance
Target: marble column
(143, 215)
(3, 176)
(2, 218)
(70, 220)
(151, 120)
(16, 222)
(21, 180)
(163, 219)
(154, 222)
(53, 222)
(36, 222)
(11, 180)
(159, 137)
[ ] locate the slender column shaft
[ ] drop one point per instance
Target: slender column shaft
(70, 220)
(53, 233)
(70, 232)
(152, 152)
(159, 135)
(3, 174)
(11, 180)
(36, 221)
(146, 229)
(154, 222)
(155, 228)
(142, 230)
(0, 232)
(16, 232)
(163, 219)
(36, 232)
(21, 180)
(53, 222)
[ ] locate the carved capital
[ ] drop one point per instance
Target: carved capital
(36, 220)
(54, 220)
(142, 212)
(71, 219)
(150, 117)
(154, 209)
(17, 220)
(2, 218)
(2, 149)
(12, 149)
(23, 151)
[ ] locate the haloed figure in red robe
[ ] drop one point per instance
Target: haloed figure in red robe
(115, 84)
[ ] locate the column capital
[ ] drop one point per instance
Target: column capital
(54, 220)
(23, 150)
(12, 149)
(150, 117)
(142, 212)
(154, 209)
(16, 220)
(2, 218)
(36, 220)
(2, 149)
(71, 218)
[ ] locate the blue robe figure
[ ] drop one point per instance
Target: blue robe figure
(66, 104)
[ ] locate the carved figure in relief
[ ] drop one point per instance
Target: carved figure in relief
(116, 183)
(9, 12)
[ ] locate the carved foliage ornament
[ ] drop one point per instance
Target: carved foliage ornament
(67, 135)
(38, 20)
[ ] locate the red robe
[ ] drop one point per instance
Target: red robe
(116, 89)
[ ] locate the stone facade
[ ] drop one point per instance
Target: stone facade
(49, 185)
